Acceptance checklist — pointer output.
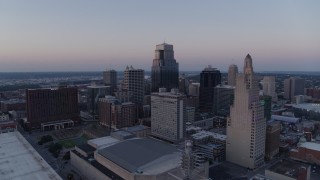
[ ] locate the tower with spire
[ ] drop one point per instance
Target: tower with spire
(246, 126)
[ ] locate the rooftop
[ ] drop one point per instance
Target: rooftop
(203, 134)
(308, 106)
(288, 168)
(102, 142)
(24, 162)
(284, 118)
(311, 145)
(147, 155)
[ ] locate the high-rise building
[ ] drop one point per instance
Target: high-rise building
(114, 114)
(266, 102)
(209, 78)
(194, 89)
(95, 92)
(167, 115)
(272, 139)
(110, 79)
(52, 108)
(246, 126)
(183, 84)
(232, 74)
(269, 87)
(292, 87)
(223, 99)
(134, 82)
(165, 69)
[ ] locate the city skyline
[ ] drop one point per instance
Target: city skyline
(85, 36)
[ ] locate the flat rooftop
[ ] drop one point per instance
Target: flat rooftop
(288, 168)
(147, 155)
(102, 142)
(311, 145)
(19, 160)
(204, 134)
(308, 106)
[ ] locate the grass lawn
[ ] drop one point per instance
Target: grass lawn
(73, 142)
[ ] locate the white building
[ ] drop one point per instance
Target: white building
(246, 126)
(167, 115)
(269, 87)
(134, 82)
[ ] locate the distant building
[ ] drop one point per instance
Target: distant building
(246, 126)
(194, 89)
(183, 84)
(293, 87)
(209, 79)
(165, 69)
(52, 108)
(110, 79)
(313, 92)
(223, 99)
(134, 82)
(116, 115)
(272, 139)
(269, 87)
(95, 92)
(4, 116)
(168, 115)
(232, 74)
(124, 96)
(13, 105)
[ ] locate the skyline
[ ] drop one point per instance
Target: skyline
(86, 36)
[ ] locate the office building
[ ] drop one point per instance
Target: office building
(246, 126)
(134, 82)
(223, 99)
(269, 87)
(209, 78)
(292, 87)
(272, 139)
(232, 74)
(167, 115)
(194, 89)
(52, 108)
(266, 102)
(110, 79)
(183, 84)
(165, 69)
(95, 92)
(114, 114)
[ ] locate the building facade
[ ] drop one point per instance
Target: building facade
(223, 99)
(246, 126)
(167, 115)
(110, 79)
(51, 105)
(272, 139)
(134, 83)
(209, 79)
(95, 92)
(232, 74)
(165, 69)
(269, 87)
(292, 87)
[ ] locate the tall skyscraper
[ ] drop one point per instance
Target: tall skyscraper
(167, 115)
(134, 82)
(110, 79)
(223, 99)
(52, 108)
(232, 74)
(292, 87)
(269, 87)
(209, 79)
(246, 126)
(94, 92)
(165, 69)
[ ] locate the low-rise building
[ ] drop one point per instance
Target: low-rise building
(307, 152)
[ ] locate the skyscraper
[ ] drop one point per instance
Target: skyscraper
(292, 87)
(209, 79)
(269, 87)
(167, 115)
(134, 82)
(165, 69)
(232, 74)
(246, 126)
(94, 92)
(110, 79)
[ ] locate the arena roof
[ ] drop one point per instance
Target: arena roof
(308, 106)
(146, 155)
(19, 160)
(284, 118)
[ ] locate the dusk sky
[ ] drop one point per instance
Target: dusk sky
(78, 35)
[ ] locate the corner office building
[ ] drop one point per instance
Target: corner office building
(52, 108)
(246, 126)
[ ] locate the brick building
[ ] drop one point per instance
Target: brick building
(307, 152)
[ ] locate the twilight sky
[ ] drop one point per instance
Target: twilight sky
(85, 35)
